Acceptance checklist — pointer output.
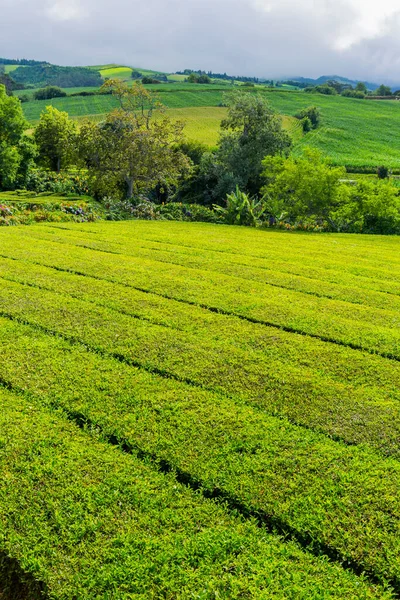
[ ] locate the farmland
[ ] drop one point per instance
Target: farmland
(353, 133)
(196, 409)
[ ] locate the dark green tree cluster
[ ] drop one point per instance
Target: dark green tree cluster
(42, 75)
(383, 90)
(196, 78)
(49, 92)
(310, 118)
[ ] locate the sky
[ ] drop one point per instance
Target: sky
(265, 38)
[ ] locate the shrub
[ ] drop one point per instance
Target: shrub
(306, 125)
(382, 172)
(312, 113)
(40, 181)
(49, 92)
(241, 209)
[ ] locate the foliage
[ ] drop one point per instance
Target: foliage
(302, 187)
(9, 83)
(361, 87)
(131, 149)
(178, 211)
(41, 181)
(49, 92)
(308, 190)
(353, 94)
(56, 139)
(312, 113)
(241, 209)
(27, 208)
(306, 124)
(382, 172)
(16, 150)
(193, 150)
(383, 90)
(196, 78)
(325, 89)
(251, 131)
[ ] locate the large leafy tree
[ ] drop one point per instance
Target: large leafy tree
(16, 149)
(56, 138)
(251, 131)
(132, 151)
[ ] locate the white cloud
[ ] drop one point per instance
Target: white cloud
(66, 10)
(265, 38)
(354, 21)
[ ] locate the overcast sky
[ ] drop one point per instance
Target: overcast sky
(267, 38)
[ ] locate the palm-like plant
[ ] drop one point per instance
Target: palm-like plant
(241, 209)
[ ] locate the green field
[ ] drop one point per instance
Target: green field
(356, 133)
(199, 411)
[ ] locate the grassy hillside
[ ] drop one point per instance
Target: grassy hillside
(353, 132)
(166, 387)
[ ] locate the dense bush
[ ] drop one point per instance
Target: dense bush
(61, 183)
(25, 210)
(353, 94)
(325, 89)
(307, 191)
(49, 92)
(382, 172)
(312, 113)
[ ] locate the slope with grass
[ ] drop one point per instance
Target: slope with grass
(175, 397)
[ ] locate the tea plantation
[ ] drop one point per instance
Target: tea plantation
(195, 411)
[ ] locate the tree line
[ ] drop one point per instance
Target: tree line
(251, 177)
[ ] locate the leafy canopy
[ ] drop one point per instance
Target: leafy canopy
(16, 150)
(251, 131)
(55, 136)
(132, 151)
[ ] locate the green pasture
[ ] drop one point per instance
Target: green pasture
(10, 68)
(195, 407)
(116, 73)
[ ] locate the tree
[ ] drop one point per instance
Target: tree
(16, 150)
(251, 131)
(383, 90)
(131, 150)
(197, 78)
(137, 100)
(56, 137)
(303, 187)
(361, 87)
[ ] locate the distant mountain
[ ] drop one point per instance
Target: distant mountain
(338, 78)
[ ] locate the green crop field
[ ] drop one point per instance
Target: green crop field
(198, 411)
